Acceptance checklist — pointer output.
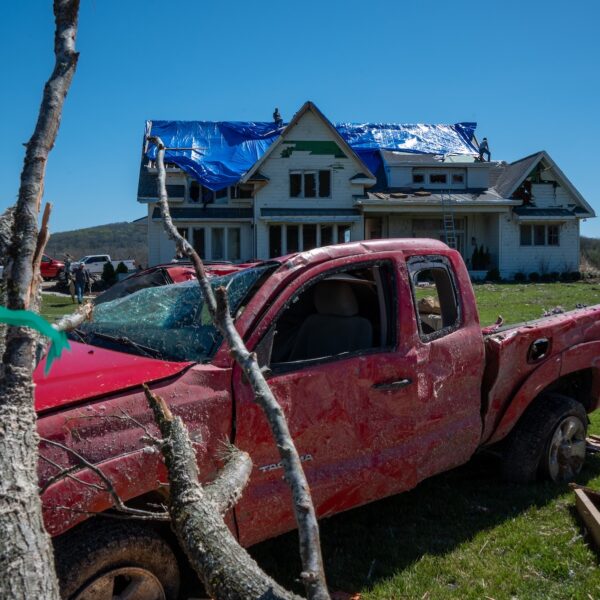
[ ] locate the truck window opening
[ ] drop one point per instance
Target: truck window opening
(435, 300)
(343, 313)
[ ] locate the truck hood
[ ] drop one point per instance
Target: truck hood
(88, 371)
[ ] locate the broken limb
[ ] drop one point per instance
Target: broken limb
(107, 487)
(226, 569)
(313, 575)
(74, 320)
(26, 557)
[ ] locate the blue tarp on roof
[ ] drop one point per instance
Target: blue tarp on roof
(218, 154)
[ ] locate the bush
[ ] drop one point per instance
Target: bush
(493, 275)
(554, 276)
(534, 277)
(570, 276)
(109, 275)
(520, 277)
(121, 268)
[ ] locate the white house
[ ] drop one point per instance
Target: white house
(306, 185)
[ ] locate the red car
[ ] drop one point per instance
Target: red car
(375, 352)
(50, 267)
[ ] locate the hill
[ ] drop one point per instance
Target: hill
(590, 252)
(120, 240)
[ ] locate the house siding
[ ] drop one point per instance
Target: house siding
(276, 194)
(540, 259)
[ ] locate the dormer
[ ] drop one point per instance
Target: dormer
(432, 172)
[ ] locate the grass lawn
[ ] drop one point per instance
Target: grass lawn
(54, 306)
(465, 534)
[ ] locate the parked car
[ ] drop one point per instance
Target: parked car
(94, 263)
(381, 390)
(50, 267)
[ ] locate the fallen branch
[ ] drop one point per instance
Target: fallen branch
(313, 575)
(226, 569)
(74, 320)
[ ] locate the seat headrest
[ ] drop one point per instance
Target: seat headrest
(335, 298)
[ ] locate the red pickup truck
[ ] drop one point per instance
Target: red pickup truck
(375, 352)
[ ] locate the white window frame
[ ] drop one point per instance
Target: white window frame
(284, 237)
(546, 227)
(302, 173)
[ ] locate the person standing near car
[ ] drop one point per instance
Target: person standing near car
(82, 279)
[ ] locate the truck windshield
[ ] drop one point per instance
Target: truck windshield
(169, 322)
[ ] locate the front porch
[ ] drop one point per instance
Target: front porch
(477, 235)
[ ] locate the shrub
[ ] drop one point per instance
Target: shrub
(554, 276)
(520, 277)
(108, 273)
(493, 275)
(534, 277)
(121, 268)
(570, 276)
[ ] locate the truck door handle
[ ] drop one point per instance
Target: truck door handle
(389, 386)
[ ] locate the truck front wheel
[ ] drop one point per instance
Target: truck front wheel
(549, 440)
(111, 560)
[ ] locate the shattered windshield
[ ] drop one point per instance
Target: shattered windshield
(170, 322)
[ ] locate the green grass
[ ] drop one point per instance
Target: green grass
(523, 302)
(54, 307)
(465, 534)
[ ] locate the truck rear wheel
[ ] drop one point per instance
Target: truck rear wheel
(549, 440)
(108, 560)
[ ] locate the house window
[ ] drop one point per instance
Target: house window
(275, 248)
(234, 246)
(437, 178)
(525, 235)
(199, 241)
(458, 178)
(324, 184)
(326, 235)
(553, 235)
(237, 192)
(293, 239)
(295, 185)
(310, 184)
(218, 243)
(194, 191)
(221, 194)
(343, 234)
(540, 235)
(309, 236)
(418, 178)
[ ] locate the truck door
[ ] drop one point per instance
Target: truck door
(347, 386)
(450, 359)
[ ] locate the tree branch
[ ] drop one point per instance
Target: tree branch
(226, 569)
(75, 319)
(26, 568)
(313, 575)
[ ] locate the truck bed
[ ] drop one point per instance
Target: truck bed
(509, 361)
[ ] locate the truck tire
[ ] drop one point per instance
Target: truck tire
(548, 441)
(116, 560)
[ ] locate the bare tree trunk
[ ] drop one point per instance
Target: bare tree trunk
(313, 575)
(26, 558)
(6, 225)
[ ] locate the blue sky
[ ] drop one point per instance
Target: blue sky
(527, 72)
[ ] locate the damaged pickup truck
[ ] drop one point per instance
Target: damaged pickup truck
(375, 352)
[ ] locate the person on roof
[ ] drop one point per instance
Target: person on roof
(484, 149)
(277, 118)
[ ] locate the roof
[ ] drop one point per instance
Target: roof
(431, 197)
(220, 153)
(524, 212)
(514, 173)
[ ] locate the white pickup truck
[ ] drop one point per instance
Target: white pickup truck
(94, 263)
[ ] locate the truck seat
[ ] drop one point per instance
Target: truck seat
(336, 327)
